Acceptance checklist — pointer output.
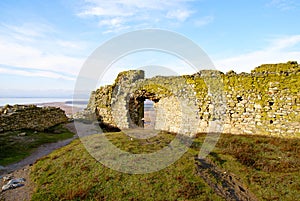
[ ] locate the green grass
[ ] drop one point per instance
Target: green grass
(269, 167)
(70, 173)
(15, 147)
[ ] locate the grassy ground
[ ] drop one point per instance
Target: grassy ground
(71, 173)
(16, 145)
(269, 167)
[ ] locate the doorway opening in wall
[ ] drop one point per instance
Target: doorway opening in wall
(149, 114)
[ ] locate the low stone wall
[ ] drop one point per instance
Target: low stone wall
(30, 117)
(265, 101)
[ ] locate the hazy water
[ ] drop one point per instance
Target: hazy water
(13, 101)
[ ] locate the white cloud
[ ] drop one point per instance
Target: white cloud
(70, 44)
(128, 7)
(153, 62)
(179, 14)
(204, 21)
(102, 11)
(29, 29)
(34, 73)
(279, 51)
(14, 54)
(120, 14)
(34, 46)
(116, 22)
(285, 42)
(32, 34)
(283, 4)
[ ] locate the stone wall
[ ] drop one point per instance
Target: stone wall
(265, 101)
(30, 117)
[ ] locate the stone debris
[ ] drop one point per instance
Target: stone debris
(18, 117)
(13, 183)
(22, 134)
(7, 178)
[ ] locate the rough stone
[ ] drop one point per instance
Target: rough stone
(19, 117)
(13, 183)
(247, 103)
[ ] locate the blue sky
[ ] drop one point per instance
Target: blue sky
(44, 44)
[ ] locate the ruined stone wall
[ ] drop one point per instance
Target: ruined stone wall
(30, 117)
(265, 101)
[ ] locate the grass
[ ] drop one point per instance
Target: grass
(269, 167)
(70, 173)
(15, 146)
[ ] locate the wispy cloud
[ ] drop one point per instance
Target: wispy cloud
(283, 4)
(32, 46)
(30, 29)
(33, 73)
(279, 50)
(285, 42)
(114, 24)
(14, 54)
(122, 14)
(179, 14)
(78, 45)
(153, 62)
(204, 21)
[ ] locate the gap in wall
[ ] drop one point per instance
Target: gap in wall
(149, 114)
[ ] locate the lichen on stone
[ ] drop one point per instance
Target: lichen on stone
(265, 101)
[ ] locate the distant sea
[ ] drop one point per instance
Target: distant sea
(13, 101)
(82, 103)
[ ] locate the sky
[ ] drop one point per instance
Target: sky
(44, 44)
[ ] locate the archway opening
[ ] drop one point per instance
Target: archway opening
(149, 114)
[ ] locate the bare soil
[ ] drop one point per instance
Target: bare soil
(22, 169)
(22, 193)
(225, 184)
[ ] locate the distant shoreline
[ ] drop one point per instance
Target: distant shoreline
(79, 102)
(69, 105)
(69, 110)
(33, 100)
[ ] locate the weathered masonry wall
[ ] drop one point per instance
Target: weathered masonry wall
(30, 117)
(265, 101)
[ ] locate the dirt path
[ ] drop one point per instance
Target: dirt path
(224, 184)
(43, 150)
(21, 193)
(22, 168)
